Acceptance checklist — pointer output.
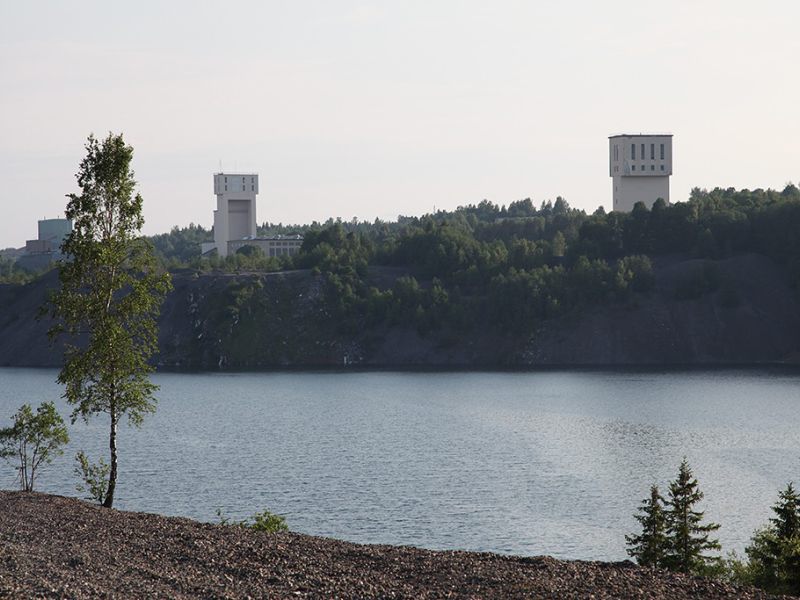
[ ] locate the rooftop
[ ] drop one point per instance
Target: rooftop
(629, 135)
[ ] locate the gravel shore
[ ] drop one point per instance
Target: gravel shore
(56, 547)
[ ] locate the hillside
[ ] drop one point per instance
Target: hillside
(55, 547)
(736, 310)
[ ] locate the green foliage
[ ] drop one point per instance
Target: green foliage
(94, 477)
(265, 521)
(33, 440)
(673, 535)
(268, 522)
(774, 550)
(250, 251)
(650, 547)
(110, 296)
(509, 268)
(181, 246)
(687, 534)
(634, 274)
(11, 273)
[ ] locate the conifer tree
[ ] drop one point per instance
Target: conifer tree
(650, 546)
(688, 538)
(774, 551)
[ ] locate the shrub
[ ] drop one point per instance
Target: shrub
(264, 521)
(33, 440)
(94, 477)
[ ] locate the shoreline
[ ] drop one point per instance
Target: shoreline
(654, 368)
(58, 547)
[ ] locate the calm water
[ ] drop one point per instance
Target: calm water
(526, 463)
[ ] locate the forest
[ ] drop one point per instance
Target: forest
(508, 267)
(514, 266)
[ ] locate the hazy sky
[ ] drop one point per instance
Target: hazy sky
(374, 109)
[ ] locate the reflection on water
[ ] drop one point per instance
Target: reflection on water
(528, 463)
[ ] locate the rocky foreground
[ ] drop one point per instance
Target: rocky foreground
(55, 547)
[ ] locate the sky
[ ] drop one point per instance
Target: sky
(376, 109)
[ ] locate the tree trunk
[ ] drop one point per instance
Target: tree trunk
(112, 444)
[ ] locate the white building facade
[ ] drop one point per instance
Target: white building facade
(235, 216)
(640, 166)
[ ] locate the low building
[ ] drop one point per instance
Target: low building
(272, 246)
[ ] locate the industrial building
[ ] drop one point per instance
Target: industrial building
(235, 216)
(272, 246)
(640, 166)
(235, 219)
(41, 252)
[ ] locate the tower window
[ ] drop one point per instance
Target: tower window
(642, 151)
(652, 151)
(652, 167)
(662, 155)
(633, 151)
(633, 167)
(662, 167)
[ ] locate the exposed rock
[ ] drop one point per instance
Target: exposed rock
(748, 314)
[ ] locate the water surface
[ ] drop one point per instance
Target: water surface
(526, 463)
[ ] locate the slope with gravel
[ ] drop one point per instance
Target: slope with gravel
(56, 547)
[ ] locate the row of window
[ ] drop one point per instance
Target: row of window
(642, 154)
(244, 184)
(282, 251)
(652, 151)
(644, 167)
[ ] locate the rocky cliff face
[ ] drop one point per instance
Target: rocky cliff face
(738, 310)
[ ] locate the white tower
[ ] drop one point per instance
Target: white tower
(640, 166)
(235, 217)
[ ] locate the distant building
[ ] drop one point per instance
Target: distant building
(41, 252)
(235, 219)
(55, 231)
(640, 166)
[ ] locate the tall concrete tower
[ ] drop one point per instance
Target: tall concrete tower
(235, 217)
(640, 166)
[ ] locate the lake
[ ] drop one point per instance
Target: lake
(550, 462)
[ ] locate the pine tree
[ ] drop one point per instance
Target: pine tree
(774, 551)
(649, 547)
(787, 514)
(687, 537)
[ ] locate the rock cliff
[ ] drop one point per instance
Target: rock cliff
(740, 310)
